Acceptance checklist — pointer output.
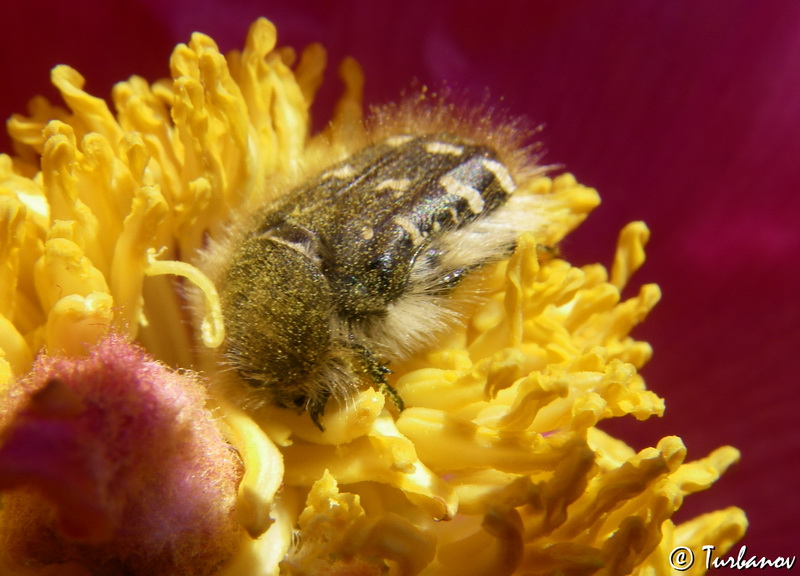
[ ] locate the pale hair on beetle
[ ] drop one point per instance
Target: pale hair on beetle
(356, 265)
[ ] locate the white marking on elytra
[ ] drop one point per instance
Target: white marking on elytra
(401, 185)
(396, 141)
(468, 193)
(416, 236)
(443, 148)
(454, 217)
(343, 172)
(367, 232)
(501, 173)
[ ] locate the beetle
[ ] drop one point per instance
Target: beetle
(357, 266)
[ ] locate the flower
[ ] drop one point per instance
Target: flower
(515, 394)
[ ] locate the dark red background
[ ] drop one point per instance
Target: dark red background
(684, 114)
